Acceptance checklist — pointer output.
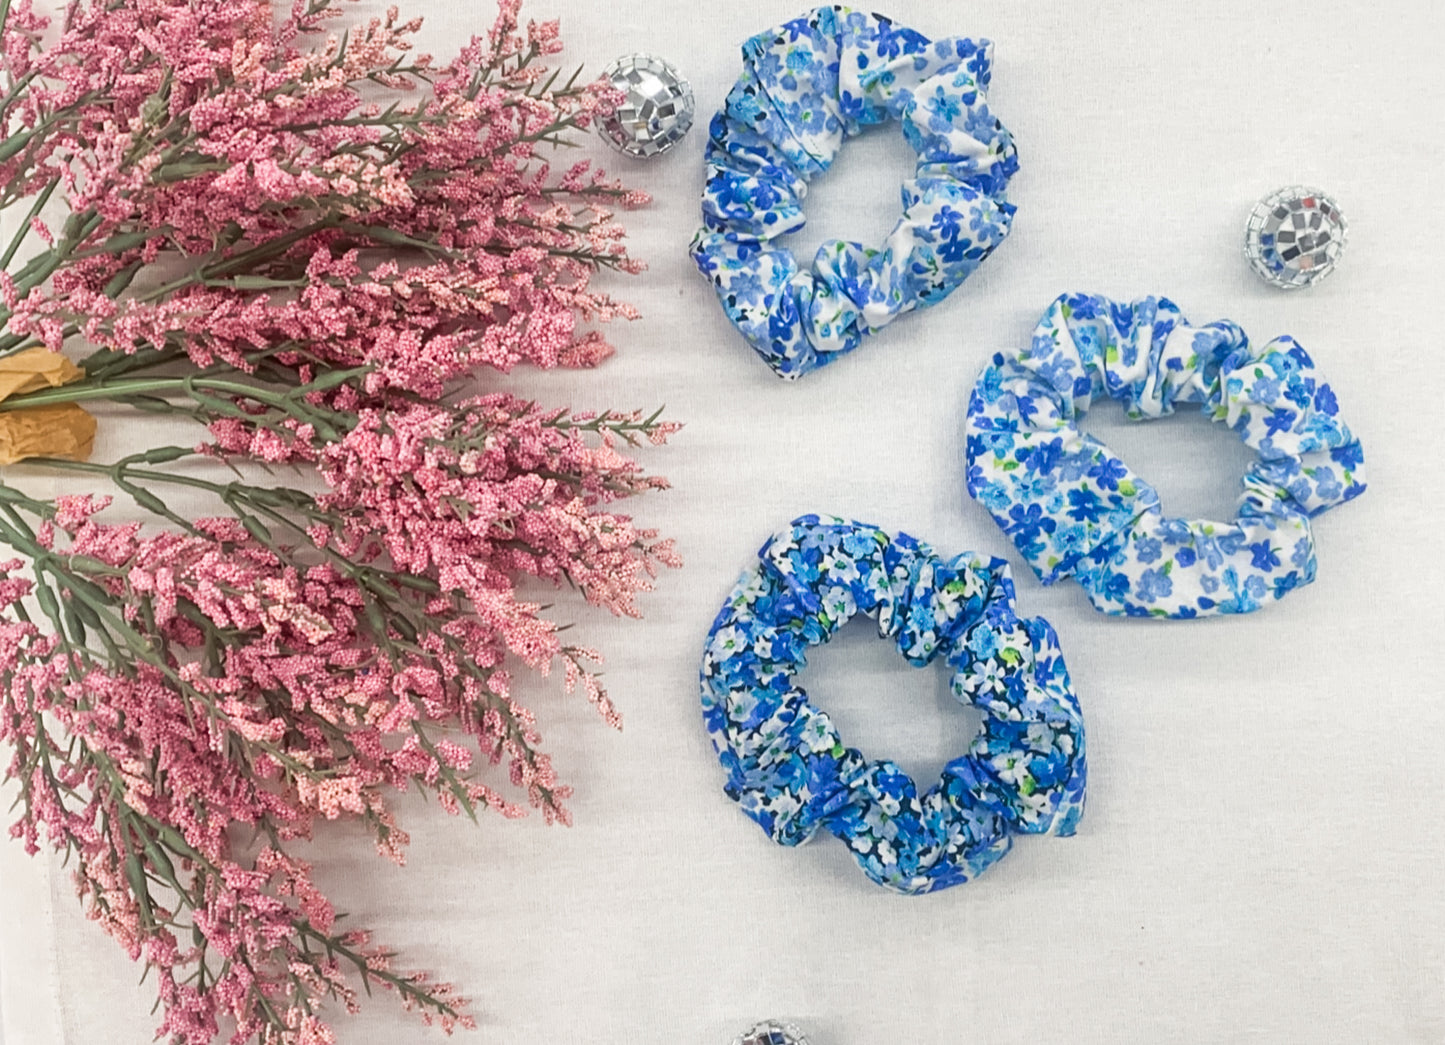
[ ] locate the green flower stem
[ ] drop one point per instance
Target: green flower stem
(42, 266)
(385, 609)
(271, 501)
(99, 607)
(293, 403)
(81, 392)
(13, 94)
(336, 947)
(159, 845)
(38, 269)
(107, 363)
(378, 586)
(21, 140)
(24, 230)
(607, 422)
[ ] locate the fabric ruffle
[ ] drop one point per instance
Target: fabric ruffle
(807, 86)
(791, 772)
(1073, 508)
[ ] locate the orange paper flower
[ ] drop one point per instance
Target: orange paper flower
(62, 430)
(34, 369)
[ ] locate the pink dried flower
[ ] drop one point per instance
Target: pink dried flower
(287, 245)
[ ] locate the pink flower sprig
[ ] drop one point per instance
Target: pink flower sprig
(239, 686)
(202, 133)
(430, 517)
(286, 680)
(455, 501)
(491, 489)
(312, 245)
(191, 683)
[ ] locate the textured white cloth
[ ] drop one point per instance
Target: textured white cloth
(1260, 858)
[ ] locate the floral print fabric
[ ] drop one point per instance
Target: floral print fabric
(807, 86)
(1075, 509)
(787, 765)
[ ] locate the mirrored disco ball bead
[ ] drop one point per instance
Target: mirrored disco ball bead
(1294, 237)
(772, 1032)
(657, 111)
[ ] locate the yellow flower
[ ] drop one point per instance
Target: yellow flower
(64, 430)
(34, 369)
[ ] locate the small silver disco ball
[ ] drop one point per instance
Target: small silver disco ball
(772, 1032)
(1295, 237)
(658, 110)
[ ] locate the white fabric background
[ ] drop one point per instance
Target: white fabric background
(1260, 860)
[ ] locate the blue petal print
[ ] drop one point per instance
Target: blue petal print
(1069, 503)
(806, 88)
(790, 771)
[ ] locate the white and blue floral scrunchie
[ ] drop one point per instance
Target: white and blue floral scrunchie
(806, 87)
(1075, 509)
(792, 773)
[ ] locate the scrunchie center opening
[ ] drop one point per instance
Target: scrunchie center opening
(857, 200)
(1193, 462)
(908, 715)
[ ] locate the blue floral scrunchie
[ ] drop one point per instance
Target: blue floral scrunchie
(790, 770)
(806, 87)
(1073, 508)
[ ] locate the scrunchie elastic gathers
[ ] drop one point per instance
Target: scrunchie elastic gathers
(788, 767)
(806, 87)
(1073, 508)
